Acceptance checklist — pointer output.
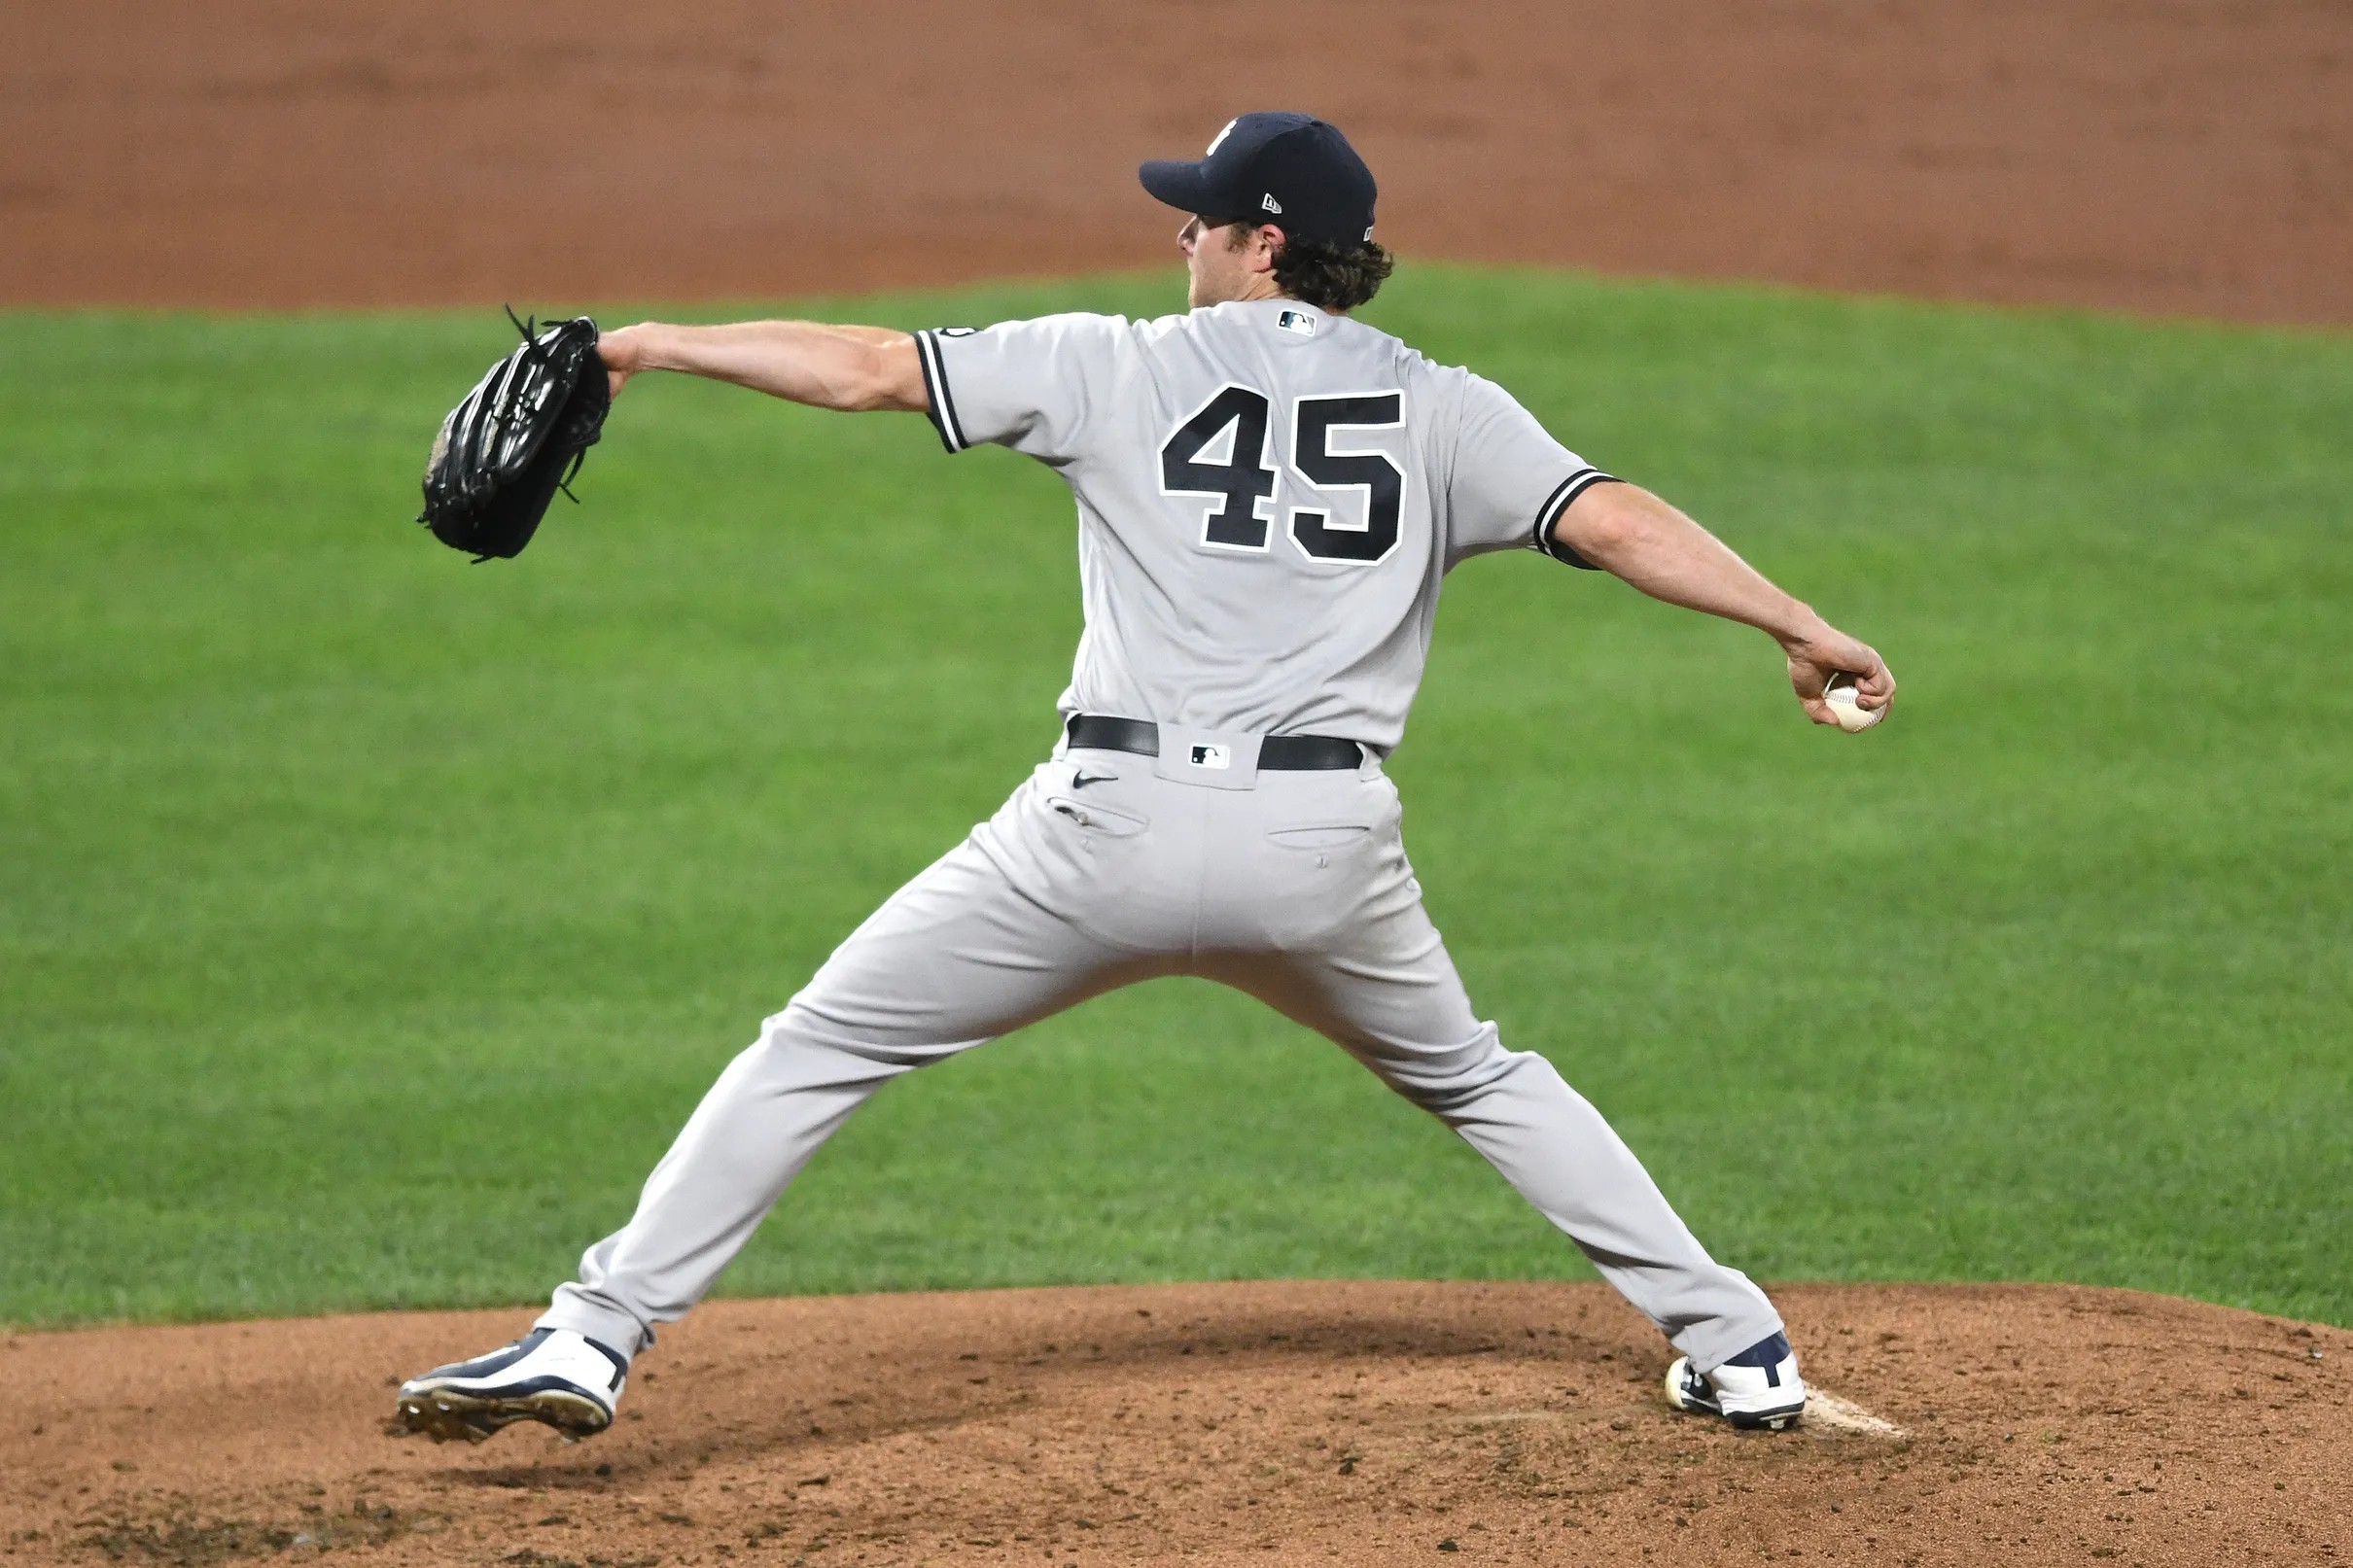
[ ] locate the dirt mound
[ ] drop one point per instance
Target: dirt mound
(2175, 156)
(1294, 1422)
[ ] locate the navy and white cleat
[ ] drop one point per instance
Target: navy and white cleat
(1757, 1390)
(551, 1375)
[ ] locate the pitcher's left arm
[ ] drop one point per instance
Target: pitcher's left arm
(855, 369)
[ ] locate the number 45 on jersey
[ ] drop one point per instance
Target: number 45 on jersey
(1220, 453)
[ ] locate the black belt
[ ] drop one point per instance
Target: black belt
(1278, 753)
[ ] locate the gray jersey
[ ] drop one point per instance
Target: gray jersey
(1269, 498)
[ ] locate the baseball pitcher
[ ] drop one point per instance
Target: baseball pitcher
(1270, 495)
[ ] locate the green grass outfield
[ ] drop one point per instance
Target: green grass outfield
(368, 920)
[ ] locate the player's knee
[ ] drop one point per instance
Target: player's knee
(839, 1047)
(1444, 1080)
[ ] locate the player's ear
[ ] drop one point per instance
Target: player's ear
(1269, 243)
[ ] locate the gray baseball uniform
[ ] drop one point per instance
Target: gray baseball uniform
(1269, 498)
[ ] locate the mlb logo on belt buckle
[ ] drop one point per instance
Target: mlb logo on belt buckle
(1210, 756)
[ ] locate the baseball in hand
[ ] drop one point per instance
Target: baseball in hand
(1852, 716)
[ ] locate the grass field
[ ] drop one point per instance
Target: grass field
(368, 920)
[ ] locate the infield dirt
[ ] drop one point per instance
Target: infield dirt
(1357, 1423)
(2168, 156)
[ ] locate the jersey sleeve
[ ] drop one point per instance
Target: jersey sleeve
(1035, 386)
(1510, 480)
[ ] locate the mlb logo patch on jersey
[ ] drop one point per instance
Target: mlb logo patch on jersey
(1297, 320)
(1210, 756)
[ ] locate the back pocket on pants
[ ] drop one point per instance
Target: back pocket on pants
(1096, 818)
(1320, 836)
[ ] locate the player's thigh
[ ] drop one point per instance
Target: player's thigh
(962, 954)
(1380, 985)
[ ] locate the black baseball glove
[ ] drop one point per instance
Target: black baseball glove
(516, 440)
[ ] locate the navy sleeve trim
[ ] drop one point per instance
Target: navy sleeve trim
(1542, 537)
(935, 383)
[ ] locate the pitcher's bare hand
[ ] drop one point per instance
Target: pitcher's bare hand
(1824, 651)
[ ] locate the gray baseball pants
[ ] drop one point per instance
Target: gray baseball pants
(1104, 869)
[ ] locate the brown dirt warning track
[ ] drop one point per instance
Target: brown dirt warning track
(1354, 1423)
(2161, 156)
(2167, 156)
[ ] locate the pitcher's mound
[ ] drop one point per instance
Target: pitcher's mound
(1352, 1423)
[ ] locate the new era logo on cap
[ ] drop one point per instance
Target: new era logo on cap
(1288, 166)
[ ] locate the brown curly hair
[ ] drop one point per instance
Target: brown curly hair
(1318, 272)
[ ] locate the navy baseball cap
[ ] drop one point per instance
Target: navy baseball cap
(1294, 171)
